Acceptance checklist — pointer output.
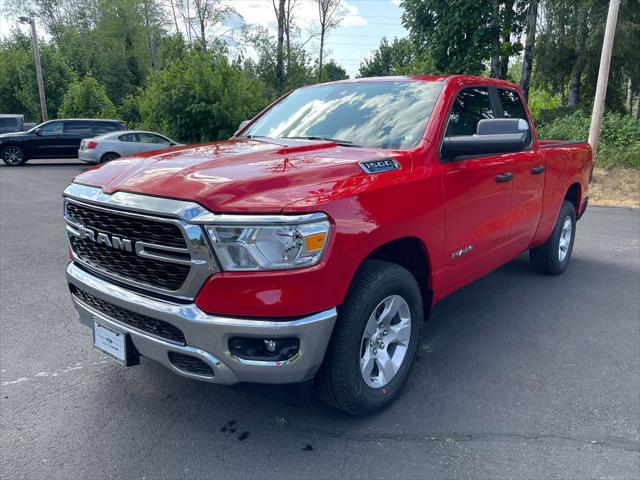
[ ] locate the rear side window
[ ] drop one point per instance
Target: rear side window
(106, 127)
(151, 138)
(470, 106)
(128, 137)
(511, 104)
(78, 128)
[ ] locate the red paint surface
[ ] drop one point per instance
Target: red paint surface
(446, 206)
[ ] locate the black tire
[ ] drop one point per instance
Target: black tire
(547, 258)
(107, 157)
(340, 382)
(13, 156)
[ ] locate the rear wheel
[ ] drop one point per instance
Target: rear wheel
(374, 341)
(13, 156)
(553, 256)
(107, 157)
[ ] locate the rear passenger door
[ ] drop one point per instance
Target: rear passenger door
(478, 200)
(151, 141)
(528, 177)
(74, 132)
(129, 144)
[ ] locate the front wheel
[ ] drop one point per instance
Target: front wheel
(13, 156)
(553, 256)
(374, 341)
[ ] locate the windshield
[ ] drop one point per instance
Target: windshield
(385, 114)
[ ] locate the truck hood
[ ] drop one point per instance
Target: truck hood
(243, 175)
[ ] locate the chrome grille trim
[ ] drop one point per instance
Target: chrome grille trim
(197, 254)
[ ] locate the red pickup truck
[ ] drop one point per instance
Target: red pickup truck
(316, 240)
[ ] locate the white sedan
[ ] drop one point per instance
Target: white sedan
(121, 143)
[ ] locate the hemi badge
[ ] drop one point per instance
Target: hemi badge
(379, 166)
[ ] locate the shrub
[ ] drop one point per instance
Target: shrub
(88, 99)
(198, 98)
(541, 102)
(619, 141)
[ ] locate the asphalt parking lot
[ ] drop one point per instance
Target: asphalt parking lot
(519, 376)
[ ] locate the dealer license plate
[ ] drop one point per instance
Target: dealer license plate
(110, 342)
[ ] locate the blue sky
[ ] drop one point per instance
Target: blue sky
(364, 24)
(350, 44)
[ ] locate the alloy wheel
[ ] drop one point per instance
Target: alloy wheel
(13, 156)
(385, 341)
(565, 239)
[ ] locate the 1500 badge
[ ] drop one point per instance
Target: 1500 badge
(379, 166)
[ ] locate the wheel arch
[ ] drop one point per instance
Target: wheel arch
(412, 254)
(574, 195)
(15, 144)
(109, 152)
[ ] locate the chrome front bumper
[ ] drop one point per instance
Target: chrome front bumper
(207, 336)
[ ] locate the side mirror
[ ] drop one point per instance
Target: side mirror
(38, 131)
(494, 135)
(243, 124)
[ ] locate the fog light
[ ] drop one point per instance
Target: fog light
(264, 349)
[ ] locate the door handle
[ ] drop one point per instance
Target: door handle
(505, 177)
(537, 170)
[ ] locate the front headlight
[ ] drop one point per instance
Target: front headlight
(269, 242)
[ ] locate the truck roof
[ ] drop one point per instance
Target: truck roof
(461, 79)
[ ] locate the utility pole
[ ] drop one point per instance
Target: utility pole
(603, 75)
(36, 55)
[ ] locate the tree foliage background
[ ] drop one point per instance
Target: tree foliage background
(181, 66)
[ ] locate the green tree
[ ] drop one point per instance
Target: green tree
(571, 35)
(298, 70)
(87, 98)
(201, 97)
(332, 72)
(450, 36)
(388, 59)
(18, 85)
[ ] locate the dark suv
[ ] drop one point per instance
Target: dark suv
(52, 139)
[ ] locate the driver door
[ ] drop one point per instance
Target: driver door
(478, 191)
(46, 142)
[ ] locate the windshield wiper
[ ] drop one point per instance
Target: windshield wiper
(345, 143)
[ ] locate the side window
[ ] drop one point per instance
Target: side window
(52, 128)
(105, 127)
(470, 106)
(128, 137)
(151, 138)
(78, 128)
(511, 104)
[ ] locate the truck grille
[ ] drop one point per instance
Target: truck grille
(135, 228)
(165, 274)
(117, 262)
(135, 320)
